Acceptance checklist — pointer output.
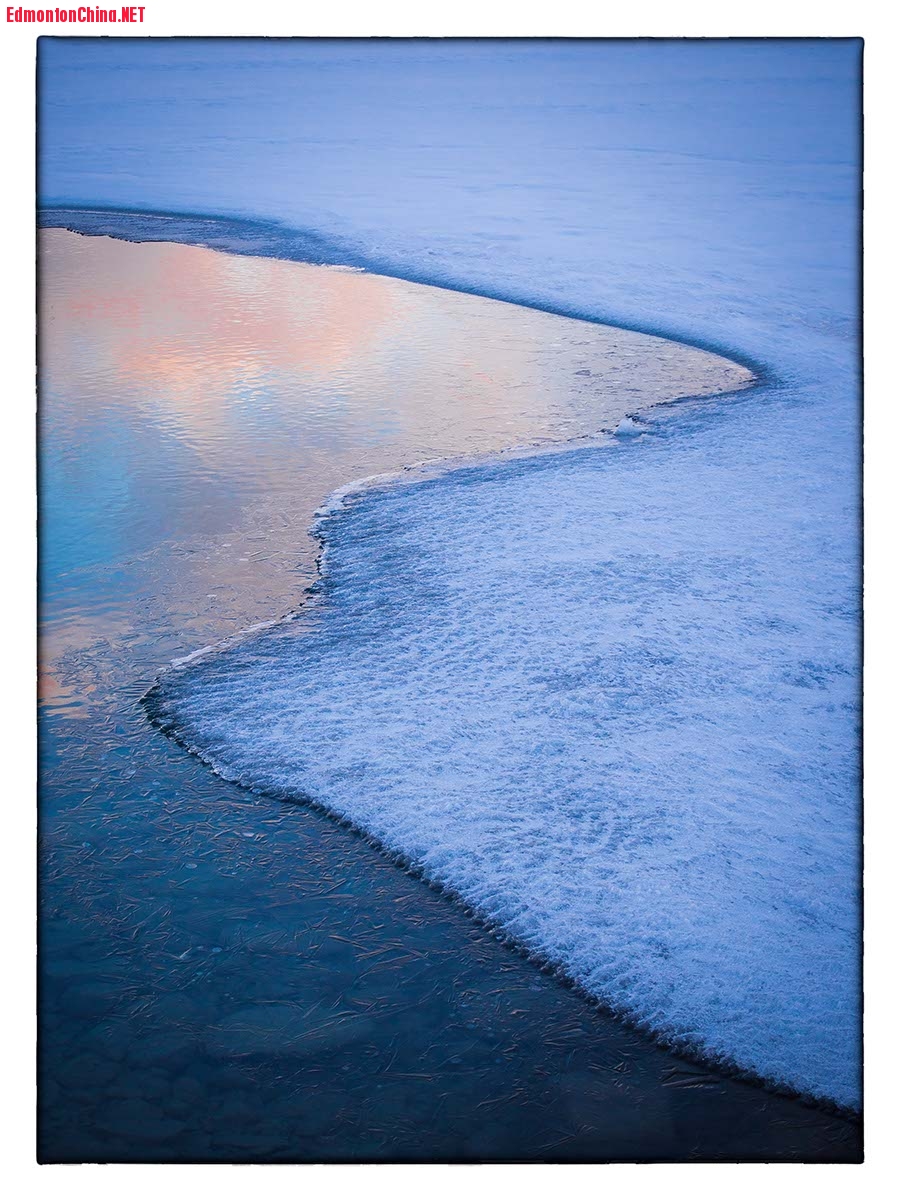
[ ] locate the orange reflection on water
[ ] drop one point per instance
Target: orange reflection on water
(196, 408)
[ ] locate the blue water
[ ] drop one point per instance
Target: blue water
(652, 651)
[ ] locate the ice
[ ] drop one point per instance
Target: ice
(609, 697)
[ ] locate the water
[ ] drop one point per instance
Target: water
(175, 903)
(719, 204)
(205, 404)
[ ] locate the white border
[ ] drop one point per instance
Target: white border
(470, 18)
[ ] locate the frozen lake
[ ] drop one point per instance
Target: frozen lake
(665, 632)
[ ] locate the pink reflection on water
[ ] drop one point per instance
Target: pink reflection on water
(197, 407)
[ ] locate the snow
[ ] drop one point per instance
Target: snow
(574, 690)
(609, 697)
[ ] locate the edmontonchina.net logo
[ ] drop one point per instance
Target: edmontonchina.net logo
(129, 15)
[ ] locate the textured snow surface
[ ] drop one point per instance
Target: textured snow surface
(609, 696)
(578, 693)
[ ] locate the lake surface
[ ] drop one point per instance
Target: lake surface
(706, 190)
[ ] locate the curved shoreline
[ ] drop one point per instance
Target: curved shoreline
(330, 509)
(156, 708)
(157, 714)
(562, 414)
(444, 467)
(293, 245)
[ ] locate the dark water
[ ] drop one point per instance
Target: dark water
(224, 978)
